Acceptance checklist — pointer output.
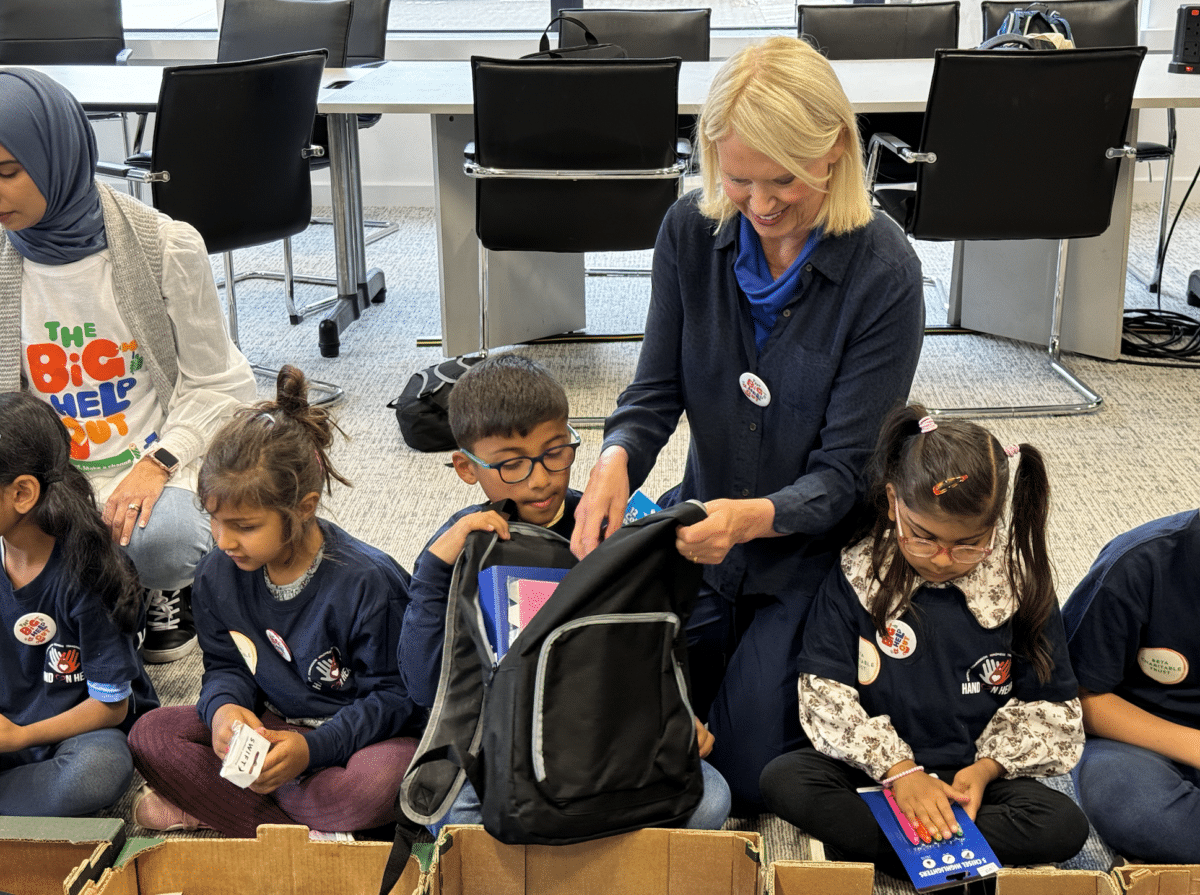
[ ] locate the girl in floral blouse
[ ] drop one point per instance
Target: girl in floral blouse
(934, 660)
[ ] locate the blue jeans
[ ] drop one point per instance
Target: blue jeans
(710, 814)
(82, 775)
(166, 551)
(1143, 804)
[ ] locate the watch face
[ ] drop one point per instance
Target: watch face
(165, 457)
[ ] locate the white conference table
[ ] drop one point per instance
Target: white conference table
(540, 294)
(135, 88)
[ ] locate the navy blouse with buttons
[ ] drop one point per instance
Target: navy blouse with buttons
(841, 355)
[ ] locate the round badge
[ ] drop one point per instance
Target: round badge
(248, 650)
(868, 662)
(1163, 665)
(900, 640)
(280, 646)
(35, 628)
(754, 389)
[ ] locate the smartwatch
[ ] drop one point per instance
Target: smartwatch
(165, 460)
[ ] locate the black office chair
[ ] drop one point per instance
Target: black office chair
(241, 128)
(1110, 23)
(990, 115)
(593, 139)
(65, 32)
(878, 31)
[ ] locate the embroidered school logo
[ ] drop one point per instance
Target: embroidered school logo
(1163, 665)
(899, 640)
(35, 628)
(993, 671)
(281, 647)
(63, 665)
(327, 671)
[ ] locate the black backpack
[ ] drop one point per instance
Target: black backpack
(421, 409)
(584, 728)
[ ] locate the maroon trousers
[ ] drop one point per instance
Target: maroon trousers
(172, 748)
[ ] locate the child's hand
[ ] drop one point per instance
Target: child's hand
(704, 739)
(286, 761)
(222, 725)
(973, 780)
(927, 799)
(451, 543)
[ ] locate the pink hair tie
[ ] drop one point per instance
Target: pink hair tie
(926, 424)
(1012, 450)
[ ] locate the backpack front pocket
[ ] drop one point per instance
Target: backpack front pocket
(610, 710)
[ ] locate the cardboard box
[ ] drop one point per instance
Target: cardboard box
(41, 855)
(824, 877)
(1054, 882)
(648, 862)
(1159, 879)
(281, 861)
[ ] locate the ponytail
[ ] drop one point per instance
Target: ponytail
(1029, 573)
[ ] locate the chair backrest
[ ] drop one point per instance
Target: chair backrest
(994, 117)
(61, 32)
(251, 29)
(574, 115)
(1094, 23)
(368, 32)
(879, 31)
(643, 33)
(231, 137)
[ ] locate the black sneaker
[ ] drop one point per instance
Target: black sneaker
(170, 631)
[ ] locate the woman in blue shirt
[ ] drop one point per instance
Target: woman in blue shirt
(785, 321)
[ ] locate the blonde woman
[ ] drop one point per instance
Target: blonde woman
(785, 321)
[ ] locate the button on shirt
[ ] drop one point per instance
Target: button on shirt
(842, 354)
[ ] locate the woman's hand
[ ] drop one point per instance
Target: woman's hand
(973, 780)
(222, 725)
(729, 522)
(133, 500)
(604, 498)
(926, 800)
(286, 761)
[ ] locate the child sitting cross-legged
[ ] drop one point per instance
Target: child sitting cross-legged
(509, 418)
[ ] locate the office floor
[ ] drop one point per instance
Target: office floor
(1133, 461)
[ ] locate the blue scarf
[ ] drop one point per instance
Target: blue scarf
(766, 294)
(47, 131)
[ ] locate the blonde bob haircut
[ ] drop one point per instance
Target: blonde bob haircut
(781, 98)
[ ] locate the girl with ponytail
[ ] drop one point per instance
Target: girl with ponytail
(71, 681)
(299, 623)
(934, 660)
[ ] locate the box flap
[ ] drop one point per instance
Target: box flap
(41, 854)
(1159, 879)
(1054, 882)
(826, 877)
(63, 829)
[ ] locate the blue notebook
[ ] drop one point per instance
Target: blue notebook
(940, 864)
(509, 596)
(639, 506)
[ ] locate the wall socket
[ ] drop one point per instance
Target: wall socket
(1186, 57)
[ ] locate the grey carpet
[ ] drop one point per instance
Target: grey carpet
(1131, 462)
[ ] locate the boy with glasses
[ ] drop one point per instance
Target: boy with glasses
(509, 418)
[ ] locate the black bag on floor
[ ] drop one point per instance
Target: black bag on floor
(584, 728)
(421, 408)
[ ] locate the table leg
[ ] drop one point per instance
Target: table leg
(357, 287)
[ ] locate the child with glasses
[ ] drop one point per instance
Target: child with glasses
(509, 418)
(934, 660)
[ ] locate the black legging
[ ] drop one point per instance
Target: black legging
(1023, 821)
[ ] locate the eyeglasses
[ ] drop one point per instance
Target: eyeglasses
(515, 470)
(926, 549)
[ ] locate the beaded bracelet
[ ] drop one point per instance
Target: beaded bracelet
(888, 781)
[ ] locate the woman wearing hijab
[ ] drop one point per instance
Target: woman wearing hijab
(109, 313)
(785, 321)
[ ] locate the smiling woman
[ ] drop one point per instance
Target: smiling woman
(785, 321)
